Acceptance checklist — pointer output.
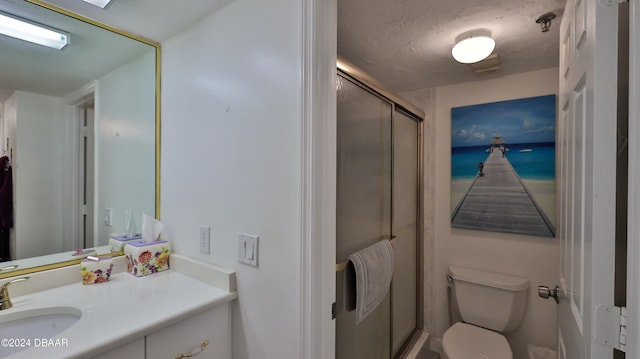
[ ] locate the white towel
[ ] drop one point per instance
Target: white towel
(367, 278)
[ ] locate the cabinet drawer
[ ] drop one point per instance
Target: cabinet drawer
(188, 335)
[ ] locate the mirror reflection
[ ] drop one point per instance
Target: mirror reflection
(78, 136)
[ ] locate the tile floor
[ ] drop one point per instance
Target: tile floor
(425, 353)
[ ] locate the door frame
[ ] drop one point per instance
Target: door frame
(76, 100)
(319, 19)
(633, 225)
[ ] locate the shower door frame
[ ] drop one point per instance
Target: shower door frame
(368, 83)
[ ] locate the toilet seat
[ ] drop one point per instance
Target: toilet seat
(465, 341)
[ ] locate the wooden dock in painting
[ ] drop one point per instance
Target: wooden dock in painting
(499, 201)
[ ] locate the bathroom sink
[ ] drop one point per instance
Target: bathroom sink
(22, 330)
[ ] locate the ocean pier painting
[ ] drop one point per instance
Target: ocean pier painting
(503, 167)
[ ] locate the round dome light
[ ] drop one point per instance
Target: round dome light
(472, 48)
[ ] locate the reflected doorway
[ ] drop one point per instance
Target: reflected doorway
(86, 174)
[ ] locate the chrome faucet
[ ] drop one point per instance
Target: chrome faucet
(5, 301)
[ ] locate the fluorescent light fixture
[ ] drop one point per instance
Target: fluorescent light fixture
(32, 32)
(473, 46)
(99, 3)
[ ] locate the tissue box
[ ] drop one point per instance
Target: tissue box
(147, 258)
(96, 270)
(116, 243)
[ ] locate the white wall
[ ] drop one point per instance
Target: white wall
(38, 164)
(535, 258)
(125, 144)
(231, 158)
(426, 100)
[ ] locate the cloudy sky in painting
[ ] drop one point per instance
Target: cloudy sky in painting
(527, 120)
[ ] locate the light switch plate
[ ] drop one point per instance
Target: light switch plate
(248, 249)
(108, 217)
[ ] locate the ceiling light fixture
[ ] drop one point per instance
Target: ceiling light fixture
(473, 46)
(545, 21)
(32, 32)
(99, 3)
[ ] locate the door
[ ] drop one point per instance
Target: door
(586, 174)
(378, 194)
(86, 180)
(363, 213)
(404, 287)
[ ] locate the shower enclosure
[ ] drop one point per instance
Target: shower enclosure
(378, 198)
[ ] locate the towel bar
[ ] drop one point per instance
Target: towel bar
(341, 266)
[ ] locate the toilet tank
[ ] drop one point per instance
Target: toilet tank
(490, 300)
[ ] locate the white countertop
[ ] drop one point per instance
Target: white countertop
(119, 311)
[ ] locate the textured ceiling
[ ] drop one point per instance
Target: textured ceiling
(406, 44)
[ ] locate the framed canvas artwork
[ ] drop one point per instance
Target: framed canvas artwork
(503, 166)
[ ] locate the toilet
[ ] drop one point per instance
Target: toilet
(489, 304)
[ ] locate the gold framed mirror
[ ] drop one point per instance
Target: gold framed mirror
(80, 128)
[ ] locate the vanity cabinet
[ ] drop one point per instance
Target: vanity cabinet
(158, 316)
(184, 337)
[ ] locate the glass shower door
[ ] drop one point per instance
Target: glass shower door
(363, 209)
(404, 287)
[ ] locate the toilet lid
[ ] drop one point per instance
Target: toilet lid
(465, 341)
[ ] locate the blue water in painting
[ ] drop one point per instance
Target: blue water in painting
(538, 164)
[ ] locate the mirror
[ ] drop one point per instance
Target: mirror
(79, 127)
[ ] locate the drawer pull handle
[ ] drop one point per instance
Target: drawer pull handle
(192, 354)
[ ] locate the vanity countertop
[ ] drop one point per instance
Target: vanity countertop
(119, 311)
